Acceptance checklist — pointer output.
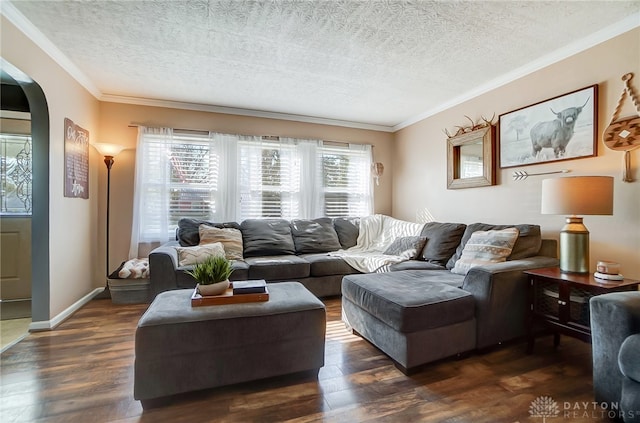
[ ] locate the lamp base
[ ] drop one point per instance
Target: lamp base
(104, 295)
(574, 246)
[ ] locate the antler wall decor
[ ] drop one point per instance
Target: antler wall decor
(483, 123)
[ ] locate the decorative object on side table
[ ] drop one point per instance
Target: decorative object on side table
(608, 271)
(561, 128)
(212, 275)
(576, 195)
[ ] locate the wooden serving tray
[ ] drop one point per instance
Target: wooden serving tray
(198, 300)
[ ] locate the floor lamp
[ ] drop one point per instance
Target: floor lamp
(109, 151)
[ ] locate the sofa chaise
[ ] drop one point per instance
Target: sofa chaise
(423, 311)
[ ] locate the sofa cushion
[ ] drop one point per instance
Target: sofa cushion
(274, 268)
(188, 231)
(314, 236)
(404, 301)
(348, 229)
(486, 247)
(326, 265)
(230, 238)
(442, 241)
(406, 246)
(266, 237)
(527, 245)
(198, 253)
(415, 265)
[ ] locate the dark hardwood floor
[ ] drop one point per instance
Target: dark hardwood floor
(83, 372)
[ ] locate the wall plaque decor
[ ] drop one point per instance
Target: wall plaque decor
(624, 134)
(76, 160)
(561, 128)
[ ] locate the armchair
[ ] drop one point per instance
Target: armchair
(615, 330)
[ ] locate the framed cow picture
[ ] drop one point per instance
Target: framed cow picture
(560, 128)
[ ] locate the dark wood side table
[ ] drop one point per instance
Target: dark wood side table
(560, 301)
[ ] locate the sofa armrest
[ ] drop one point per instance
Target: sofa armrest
(614, 317)
(629, 357)
(163, 262)
(500, 291)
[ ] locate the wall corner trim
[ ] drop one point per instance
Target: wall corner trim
(51, 324)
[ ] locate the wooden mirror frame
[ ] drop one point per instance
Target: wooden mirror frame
(487, 136)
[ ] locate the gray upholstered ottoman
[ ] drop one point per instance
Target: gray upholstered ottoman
(180, 348)
(411, 320)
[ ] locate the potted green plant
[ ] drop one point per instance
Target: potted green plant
(212, 275)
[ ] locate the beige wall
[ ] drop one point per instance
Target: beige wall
(115, 120)
(420, 161)
(73, 252)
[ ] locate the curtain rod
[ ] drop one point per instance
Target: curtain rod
(267, 137)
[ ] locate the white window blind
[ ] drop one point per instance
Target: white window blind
(347, 180)
(269, 179)
(221, 177)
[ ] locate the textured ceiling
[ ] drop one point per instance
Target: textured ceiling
(374, 62)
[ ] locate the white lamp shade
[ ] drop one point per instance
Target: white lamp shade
(107, 149)
(578, 195)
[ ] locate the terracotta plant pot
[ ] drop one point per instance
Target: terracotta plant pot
(213, 289)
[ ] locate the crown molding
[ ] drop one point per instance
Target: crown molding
(34, 34)
(241, 112)
(629, 23)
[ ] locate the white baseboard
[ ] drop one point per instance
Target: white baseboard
(51, 324)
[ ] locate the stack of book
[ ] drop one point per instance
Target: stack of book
(257, 286)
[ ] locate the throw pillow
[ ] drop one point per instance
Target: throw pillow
(231, 240)
(188, 231)
(347, 229)
(443, 238)
(194, 255)
(267, 237)
(406, 247)
(527, 245)
(485, 247)
(314, 236)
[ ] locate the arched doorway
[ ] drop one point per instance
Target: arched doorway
(40, 267)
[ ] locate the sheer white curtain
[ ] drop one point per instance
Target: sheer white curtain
(150, 200)
(228, 195)
(311, 191)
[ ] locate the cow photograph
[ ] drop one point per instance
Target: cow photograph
(561, 128)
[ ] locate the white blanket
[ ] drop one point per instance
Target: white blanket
(377, 232)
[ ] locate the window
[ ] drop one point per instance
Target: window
(222, 177)
(177, 176)
(347, 179)
(15, 174)
(269, 179)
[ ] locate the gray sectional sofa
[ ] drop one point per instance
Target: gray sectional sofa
(275, 250)
(418, 312)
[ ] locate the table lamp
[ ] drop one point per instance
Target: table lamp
(573, 196)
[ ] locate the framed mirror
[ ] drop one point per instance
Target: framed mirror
(471, 159)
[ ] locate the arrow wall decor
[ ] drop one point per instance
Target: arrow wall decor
(520, 175)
